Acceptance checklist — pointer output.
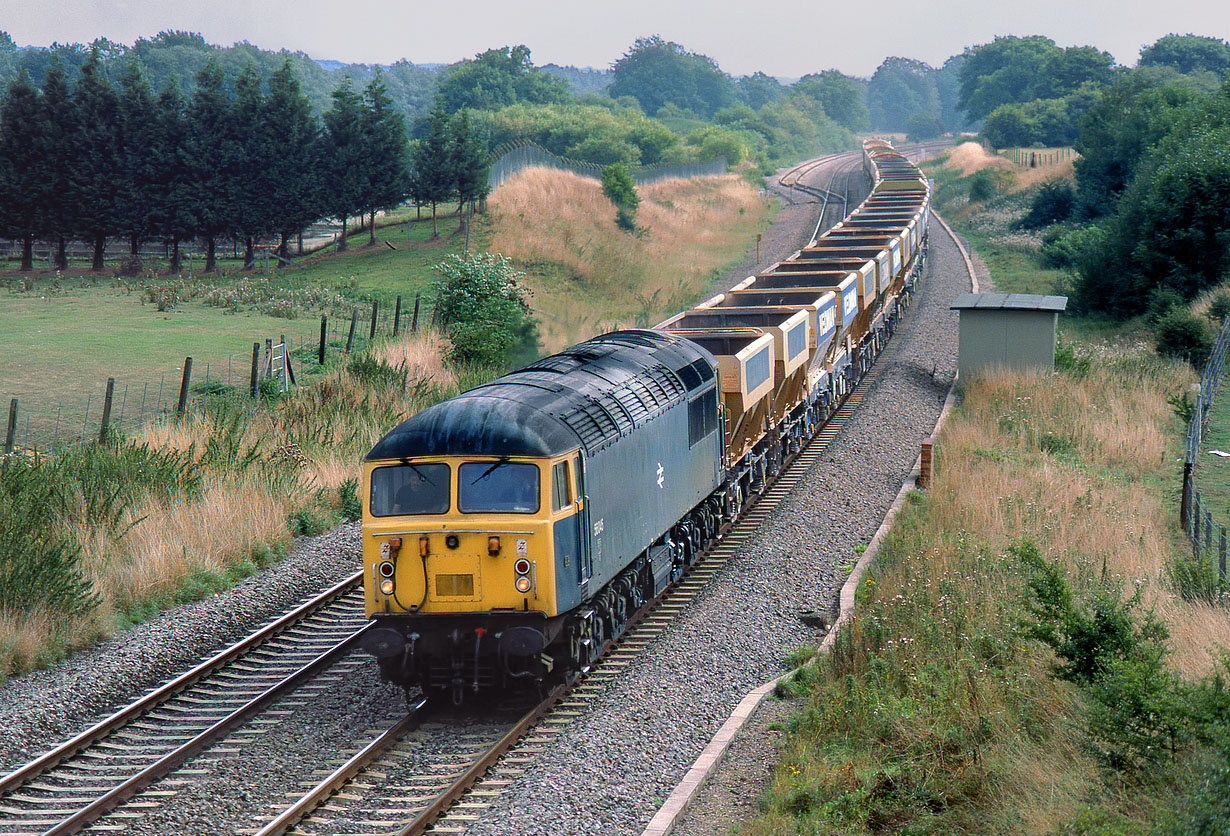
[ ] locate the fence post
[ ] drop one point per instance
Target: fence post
(268, 359)
(397, 317)
(1221, 552)
(354, 319)
(324, 325)
(414, 321)
(106, 417)
(183, 389)
(371, 335)
(1208, 529)
(924, 472)
(12, 428)
(1184, 511)
(256, 361)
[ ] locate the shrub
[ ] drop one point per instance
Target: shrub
(1219, 307)
(1052, 203)
(482, 306)
(1179, 334)
(348, 492)
(618, 186)
(982, 185)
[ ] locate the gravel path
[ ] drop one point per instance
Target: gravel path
(616, 764)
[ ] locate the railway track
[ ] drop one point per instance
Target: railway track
(455, 795)
(111, 763)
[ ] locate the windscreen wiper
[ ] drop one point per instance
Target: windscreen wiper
(492, 469)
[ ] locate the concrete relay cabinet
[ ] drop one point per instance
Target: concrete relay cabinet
(1007, 330)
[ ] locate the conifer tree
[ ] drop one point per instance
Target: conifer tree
(251, 213)
(208, 159)
(55, 199)
(433, 181)
(293, 182)
(97, 171)
(139, 152)
(172, 195)
(468, 160)
(387, 160)
(22, 137)
(342, 156)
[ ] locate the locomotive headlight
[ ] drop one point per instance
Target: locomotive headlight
(523, 584)
(452, 541)
(386, 586)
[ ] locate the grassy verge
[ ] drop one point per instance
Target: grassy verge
(1033, 652)
(588, 276)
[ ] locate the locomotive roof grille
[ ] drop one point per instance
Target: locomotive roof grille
(589, 396)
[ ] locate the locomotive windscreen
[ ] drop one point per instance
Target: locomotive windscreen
(410, 489)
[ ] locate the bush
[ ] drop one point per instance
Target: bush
(1161, 302)
(1181, 335)
(1219, 307)
(982, 185)
(482, 306)
(1052, 203)
(348, 492)
(620, 189)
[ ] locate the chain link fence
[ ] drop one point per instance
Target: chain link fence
(507, 160)
(1207, 535)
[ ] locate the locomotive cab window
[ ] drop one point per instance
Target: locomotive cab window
(498, 487)
(702, 417)
(410, 489)
(561, 490)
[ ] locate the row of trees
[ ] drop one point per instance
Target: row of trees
(92, 161)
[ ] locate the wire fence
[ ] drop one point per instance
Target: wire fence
(1208, 536)
(508, 160)
(1034, 157)
(44, 421)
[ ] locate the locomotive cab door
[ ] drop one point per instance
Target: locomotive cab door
(569, 529)
(583, 532)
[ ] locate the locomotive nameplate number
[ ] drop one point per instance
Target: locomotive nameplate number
(523, 547)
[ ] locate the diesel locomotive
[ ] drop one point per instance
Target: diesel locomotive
(510, 532)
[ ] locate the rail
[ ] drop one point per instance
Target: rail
(1194, 515)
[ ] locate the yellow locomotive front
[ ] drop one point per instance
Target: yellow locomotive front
(455, 534)
(470, 516)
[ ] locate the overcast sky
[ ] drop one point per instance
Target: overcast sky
(787, 38)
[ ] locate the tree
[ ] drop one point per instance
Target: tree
(1014, 70)
(468, 160)
(498, 78)
(209, 159)
(757, 90)
(56, 203)
(172, 196)
(23, 135)
(483, 308)
(923, 126)
(293, 170)
(900, 89)
(620, 189)
(657, 72)
(254, 142)
(841, 97)
(342, 156)
(433, 181)
(1129, 119)
(1188, 54)
(140, 154)
(387, 157)
(98, 167)
(1171, 228)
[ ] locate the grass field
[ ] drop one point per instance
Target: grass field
(61, 337)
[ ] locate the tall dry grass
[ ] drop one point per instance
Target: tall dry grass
(265, 473)
(933, 713)
(969, 157)
(588, 276)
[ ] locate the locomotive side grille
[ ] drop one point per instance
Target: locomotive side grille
(623, 419)
(592, 424)
(636, 408)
